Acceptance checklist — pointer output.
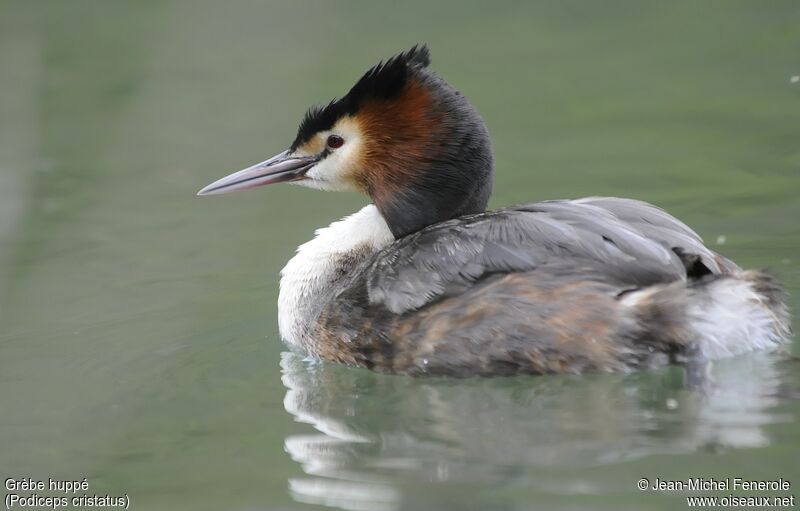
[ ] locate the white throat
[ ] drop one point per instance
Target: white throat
(310, 278)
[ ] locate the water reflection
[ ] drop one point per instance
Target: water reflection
(388, 443)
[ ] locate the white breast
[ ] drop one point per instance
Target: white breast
(310, 278)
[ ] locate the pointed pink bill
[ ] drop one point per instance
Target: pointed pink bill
(278, 169)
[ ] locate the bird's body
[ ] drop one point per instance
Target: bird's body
(425, 282)
(562, 286)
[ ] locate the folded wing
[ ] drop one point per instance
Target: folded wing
(621, 241)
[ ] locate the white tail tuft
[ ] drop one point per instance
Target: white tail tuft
(714, 318)
(731, 317)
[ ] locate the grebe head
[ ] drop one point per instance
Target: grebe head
(402, 135)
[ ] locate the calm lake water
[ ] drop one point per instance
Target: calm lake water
(138, 331)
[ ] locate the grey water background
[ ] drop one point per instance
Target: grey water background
(138, 331)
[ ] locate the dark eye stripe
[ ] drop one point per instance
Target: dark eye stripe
(335, 141)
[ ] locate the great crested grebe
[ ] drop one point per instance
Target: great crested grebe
(425, 281)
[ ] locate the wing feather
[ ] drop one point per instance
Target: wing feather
(625, 242)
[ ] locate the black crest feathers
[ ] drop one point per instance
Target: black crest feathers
(383, 81)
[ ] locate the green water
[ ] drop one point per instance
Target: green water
(138, 331)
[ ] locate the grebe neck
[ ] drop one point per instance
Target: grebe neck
(320, 267)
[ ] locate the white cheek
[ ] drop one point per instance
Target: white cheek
(325, 186)
(333, 172)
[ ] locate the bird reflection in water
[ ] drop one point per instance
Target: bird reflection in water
(390, 443)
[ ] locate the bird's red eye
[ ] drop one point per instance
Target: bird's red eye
(335, 141)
